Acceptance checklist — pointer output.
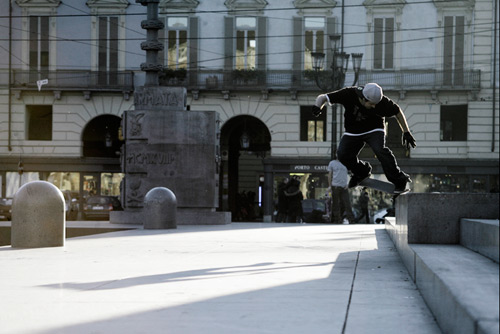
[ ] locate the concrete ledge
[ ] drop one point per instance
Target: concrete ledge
(435, 218)
(399, 236)
(184, 217)
(481, 235)
(460, 287)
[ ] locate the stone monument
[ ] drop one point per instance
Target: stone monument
(166, 145)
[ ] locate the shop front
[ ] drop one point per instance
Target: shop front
(428, 176)
(76, 178)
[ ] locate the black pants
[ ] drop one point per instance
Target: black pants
(341, 204)
(364, 214)
(349, 149)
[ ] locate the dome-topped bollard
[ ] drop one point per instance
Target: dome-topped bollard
(160, 209)
(38, 217)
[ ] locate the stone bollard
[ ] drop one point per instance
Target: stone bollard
(160, 209)
(38, 217)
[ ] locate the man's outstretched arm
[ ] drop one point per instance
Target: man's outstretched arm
(407, 140)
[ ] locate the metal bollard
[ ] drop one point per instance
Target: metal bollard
(160, 208)
(38, 217)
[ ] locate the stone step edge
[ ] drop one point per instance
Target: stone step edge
(482, 236)
(460, 286)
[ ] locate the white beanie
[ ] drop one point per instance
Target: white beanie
(373, 92)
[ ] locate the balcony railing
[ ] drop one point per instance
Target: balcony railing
(406, 80)
(75, 80)
(219, 80)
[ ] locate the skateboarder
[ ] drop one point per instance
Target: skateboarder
(365, 110)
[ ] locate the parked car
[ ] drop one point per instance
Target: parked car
(6, 208)
(314, 211)
(99, 207)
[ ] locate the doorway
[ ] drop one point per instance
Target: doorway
(245, 142)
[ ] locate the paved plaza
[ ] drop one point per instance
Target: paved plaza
(237, 278)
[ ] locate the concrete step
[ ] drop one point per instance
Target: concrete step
(481, 235)
(460, 286)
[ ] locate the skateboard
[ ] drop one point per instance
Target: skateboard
(384, 186)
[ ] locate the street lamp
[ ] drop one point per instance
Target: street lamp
(340, 63)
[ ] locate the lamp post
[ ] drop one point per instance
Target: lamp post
(339, 66)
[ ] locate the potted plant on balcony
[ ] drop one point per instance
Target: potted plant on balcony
(245, 76)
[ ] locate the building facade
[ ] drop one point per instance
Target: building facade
(69, 70)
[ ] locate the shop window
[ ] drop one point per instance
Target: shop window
(110, 183)
(38, 122)
(454, 123)
(312, 128)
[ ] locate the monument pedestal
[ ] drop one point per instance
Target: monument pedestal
(168, 146)
(185, 216)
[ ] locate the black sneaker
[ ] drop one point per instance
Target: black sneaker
(400, 187)
(356, 180)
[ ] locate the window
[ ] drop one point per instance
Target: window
(314, 38)
(454, 123)
(175, 38)
(108, 50)
(245, 43)
(38, 47)
(38, 122)
(453, 52)
(383, 48)
(312, 128)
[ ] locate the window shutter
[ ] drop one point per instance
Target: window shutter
(193, 43)
(297, 44)
(330, 29)
(389, 43)
(229, 41)
(262, 43)
(377, 43)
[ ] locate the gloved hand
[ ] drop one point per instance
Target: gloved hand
(409, 141)
(316, 111)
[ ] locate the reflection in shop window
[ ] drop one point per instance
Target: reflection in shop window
(15, 181)
(110, 183)
(65, 181)
(478, 184)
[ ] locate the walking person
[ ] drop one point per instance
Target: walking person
(365, 110)
(341, 204)
(364, 200)
(294, 200)
(282, 201)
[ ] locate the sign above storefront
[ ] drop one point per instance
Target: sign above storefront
(308, 168)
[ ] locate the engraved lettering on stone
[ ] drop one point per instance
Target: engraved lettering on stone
(157, 98)
(150, 158)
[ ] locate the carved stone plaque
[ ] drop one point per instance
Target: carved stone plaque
(160, 98)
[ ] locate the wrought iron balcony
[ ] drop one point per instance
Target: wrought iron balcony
(219, 80)
(75, 80)
(404, 80)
